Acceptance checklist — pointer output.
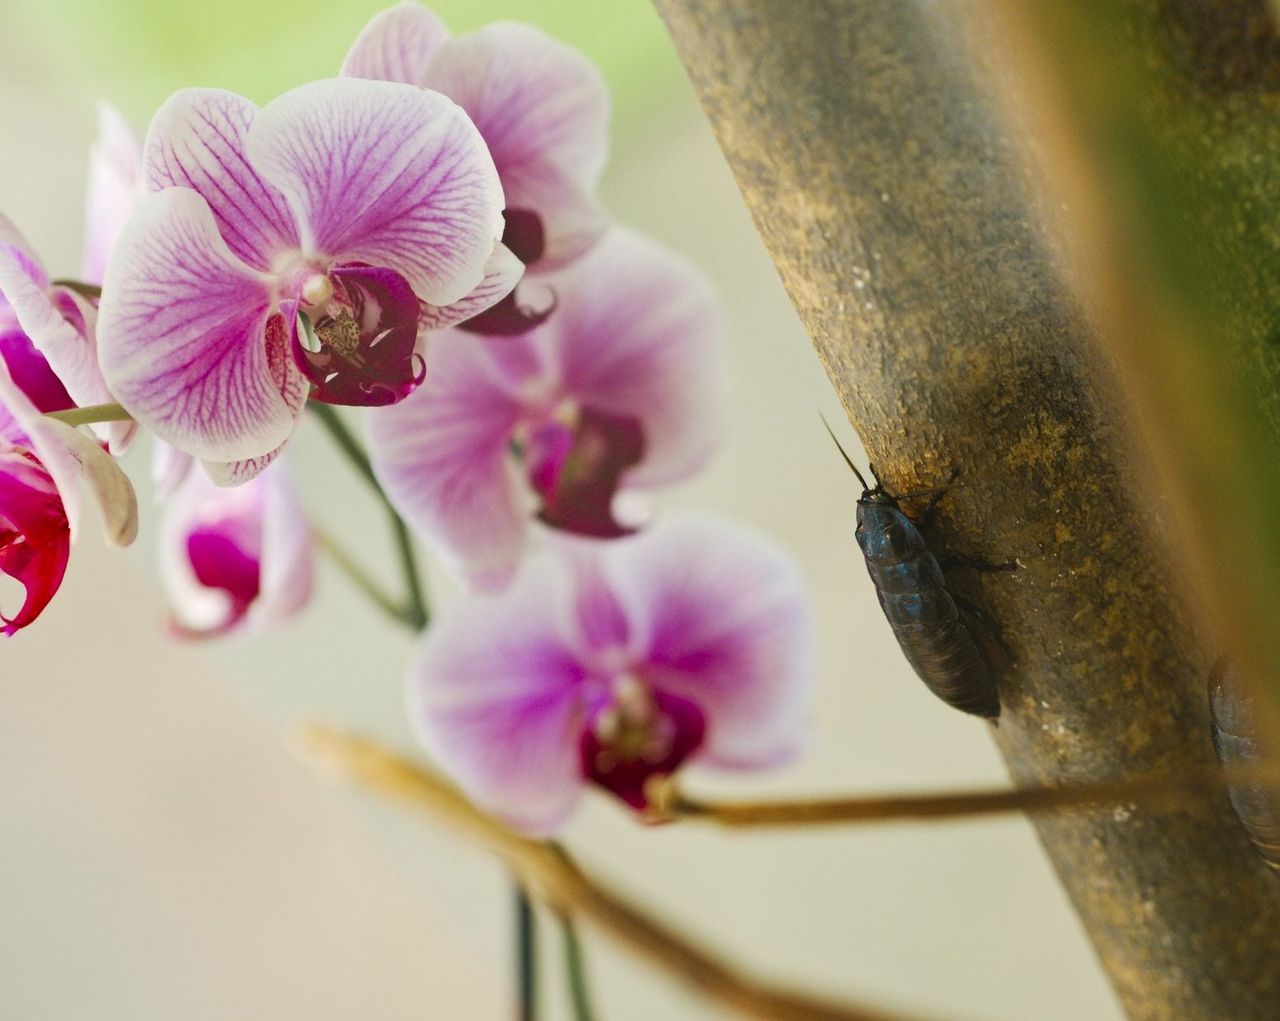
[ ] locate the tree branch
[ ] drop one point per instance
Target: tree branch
(899, 212)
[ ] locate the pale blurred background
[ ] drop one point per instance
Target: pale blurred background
(163, 854)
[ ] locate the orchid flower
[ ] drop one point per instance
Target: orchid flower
(236, 559)
(43, 464)
(614, 663)
(543, 110)
(283, 253)
(47, 330)
(115, 188)
(621, 388)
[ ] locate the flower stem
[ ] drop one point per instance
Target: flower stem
(579, 995)
(546, 872)
(92, 291)
(349, 566)
(670, 804)
(415, 613)
(526, 956)
(93, 413)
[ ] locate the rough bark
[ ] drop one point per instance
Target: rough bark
(898, 212)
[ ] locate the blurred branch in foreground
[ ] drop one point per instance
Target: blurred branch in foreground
(903, 214)
(551, 876)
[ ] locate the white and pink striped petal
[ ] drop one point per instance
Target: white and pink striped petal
(496, 694)
(720, 617)
(640, 331)
(185, 339)
(543, 109)
(385, 174)
(443, 457)
(59, 323)
(501, 274)
(115, 188)
(197, 140)
(396, 45)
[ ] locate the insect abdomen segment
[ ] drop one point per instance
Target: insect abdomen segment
(924, 618)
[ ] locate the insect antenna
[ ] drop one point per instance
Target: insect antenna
(852, 467)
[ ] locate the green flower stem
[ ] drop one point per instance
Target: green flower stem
(93, 413)
(575, 969)
(414, 613)
(526, 956)
(91, 291)
(349, 566)
(579, 993)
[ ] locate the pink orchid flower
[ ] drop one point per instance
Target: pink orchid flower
(543, 110)
(115, 188)
(236, 559)
(347, 201)
(43, 464)
(614, 663)
(621, 388)
(47, 330)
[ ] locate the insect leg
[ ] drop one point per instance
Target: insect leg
(935, 494)
(987, 625)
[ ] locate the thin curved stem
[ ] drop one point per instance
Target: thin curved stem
(575, 967)
(329, 417)
(526, 956)
(92, 291)
(91, 414)
(415, 612)
(551, 876)
(671, 804)
(356, 573)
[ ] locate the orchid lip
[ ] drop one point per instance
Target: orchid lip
(637, 733)
(524, 234)
(35, 537)
(31, 372)
(575, 459)
(226, 562)
(357, 344)
(509, 317)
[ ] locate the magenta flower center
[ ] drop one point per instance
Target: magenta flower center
(523, 234)
(225, 555)
(31, 372)
(219, 562)
(356, 345)
(35, 540)
(575, 458)
(638, 733)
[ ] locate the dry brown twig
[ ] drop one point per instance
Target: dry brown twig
(1153, 790)
(551, 876)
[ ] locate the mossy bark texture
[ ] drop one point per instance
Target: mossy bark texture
(899, 212)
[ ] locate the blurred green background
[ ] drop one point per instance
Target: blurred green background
(136, 52)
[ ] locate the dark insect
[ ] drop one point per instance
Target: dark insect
(1235, 739)
(913, 594)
